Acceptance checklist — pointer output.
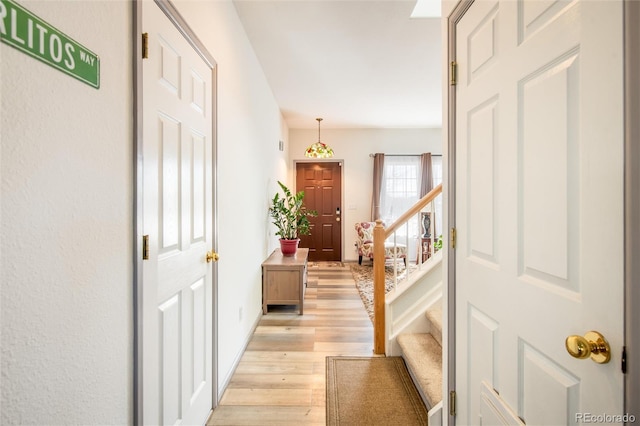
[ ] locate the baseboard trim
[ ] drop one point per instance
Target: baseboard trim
(236, 361)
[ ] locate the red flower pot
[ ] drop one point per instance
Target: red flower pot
(289, 247)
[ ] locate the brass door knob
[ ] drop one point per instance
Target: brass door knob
(212, 256)
(593, 345)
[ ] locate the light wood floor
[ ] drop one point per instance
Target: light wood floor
(280, 379)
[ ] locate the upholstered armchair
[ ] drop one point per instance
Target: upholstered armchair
(364, 244)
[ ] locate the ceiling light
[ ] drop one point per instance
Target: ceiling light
(319, 149)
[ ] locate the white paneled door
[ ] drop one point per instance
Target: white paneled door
(178, 218)
(539, 210)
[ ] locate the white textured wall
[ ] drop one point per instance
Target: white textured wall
(353, 146)
(66, 219)
(249, 164)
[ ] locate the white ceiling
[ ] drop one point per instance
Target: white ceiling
(356, 64)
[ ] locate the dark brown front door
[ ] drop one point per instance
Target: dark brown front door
(322, 186)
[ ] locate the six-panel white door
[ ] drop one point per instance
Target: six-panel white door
(177, 202)
(539, 209)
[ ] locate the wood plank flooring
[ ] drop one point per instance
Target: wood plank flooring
(280, 379)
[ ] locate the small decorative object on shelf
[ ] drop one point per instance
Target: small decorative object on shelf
(426, 224)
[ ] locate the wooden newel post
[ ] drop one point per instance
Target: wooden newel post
(378, 289)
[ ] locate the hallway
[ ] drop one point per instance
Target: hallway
(280, 379)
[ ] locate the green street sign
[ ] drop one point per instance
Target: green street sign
(28, 33)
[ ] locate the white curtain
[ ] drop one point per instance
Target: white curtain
(401, 190)
(436, 163)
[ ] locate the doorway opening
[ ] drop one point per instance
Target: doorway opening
(322, 185)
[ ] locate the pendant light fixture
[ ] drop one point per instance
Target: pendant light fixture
(319, 149)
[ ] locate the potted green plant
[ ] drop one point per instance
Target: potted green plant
(291, 218)
(438, 244)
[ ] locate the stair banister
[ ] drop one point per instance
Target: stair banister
(380, 234)
(378, 288)
(412, 211)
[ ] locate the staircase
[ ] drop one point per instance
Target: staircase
(401, 324)
(422, 353)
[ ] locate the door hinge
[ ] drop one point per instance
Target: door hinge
(145, 45)
(452, 240)
(145, 247)
(624, 360)
(454, 73)
(452, 403)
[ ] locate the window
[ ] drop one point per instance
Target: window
(401, 190)
(436, 164)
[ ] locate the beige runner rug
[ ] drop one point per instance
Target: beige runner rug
(372, 391)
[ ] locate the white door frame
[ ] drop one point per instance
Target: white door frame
(181, 24)
(631, 200)
(632, 206)
(452, 21)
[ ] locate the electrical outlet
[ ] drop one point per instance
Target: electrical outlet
(240, 313)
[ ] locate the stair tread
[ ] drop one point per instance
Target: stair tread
(434, 315)
(423, 356)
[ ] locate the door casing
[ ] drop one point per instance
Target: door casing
(341, 165)
(632, 206)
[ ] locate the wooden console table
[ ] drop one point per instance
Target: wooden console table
(284, 279)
